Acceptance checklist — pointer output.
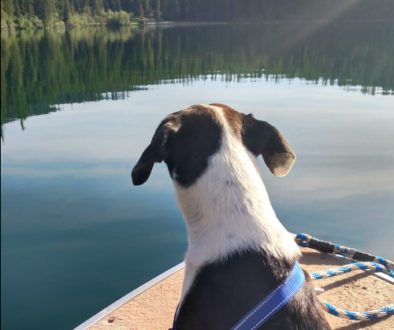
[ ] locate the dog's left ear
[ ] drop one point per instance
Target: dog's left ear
(262, 138)
(156, 152)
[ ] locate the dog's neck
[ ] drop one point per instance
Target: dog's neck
(228, 210)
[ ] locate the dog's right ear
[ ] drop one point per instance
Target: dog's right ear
(156, 152)
(262, 138)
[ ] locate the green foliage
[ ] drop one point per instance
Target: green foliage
(6, 21)
(25, 22)
(50, 11)
(45, 10)
(117, 19)
(8, 7)
(84, 19)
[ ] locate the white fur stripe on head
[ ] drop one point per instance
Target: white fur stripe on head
(227, 209)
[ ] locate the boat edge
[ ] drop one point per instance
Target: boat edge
(103, 313)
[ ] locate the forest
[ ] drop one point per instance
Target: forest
(25, 14)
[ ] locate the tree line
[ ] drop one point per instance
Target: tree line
(62, 10)
(198, 10)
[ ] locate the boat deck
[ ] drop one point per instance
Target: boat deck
(152, 306)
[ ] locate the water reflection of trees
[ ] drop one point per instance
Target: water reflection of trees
(43, 69)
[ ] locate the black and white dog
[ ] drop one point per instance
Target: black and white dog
(238, 250)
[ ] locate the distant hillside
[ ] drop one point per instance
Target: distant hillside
(27, 14)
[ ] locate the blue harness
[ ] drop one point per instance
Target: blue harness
(272, 303)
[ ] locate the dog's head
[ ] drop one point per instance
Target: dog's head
(185, 141)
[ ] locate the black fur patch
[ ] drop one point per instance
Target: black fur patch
(224, 292)
(184, 140)
(189, 149)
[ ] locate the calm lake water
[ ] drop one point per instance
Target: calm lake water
(78, 108)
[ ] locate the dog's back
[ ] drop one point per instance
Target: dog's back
(224, 292)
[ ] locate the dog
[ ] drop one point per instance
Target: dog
(238, 251)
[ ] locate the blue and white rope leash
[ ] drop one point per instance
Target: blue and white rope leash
(370, 262)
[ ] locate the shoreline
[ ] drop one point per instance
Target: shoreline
(141, 23)
(61, 25)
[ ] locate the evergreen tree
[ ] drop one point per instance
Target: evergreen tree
(140, 9)
(158, 10)
(8, 7)
(44, 9)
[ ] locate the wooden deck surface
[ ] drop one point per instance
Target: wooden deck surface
(154, 308)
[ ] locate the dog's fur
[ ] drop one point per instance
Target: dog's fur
(238, 250)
